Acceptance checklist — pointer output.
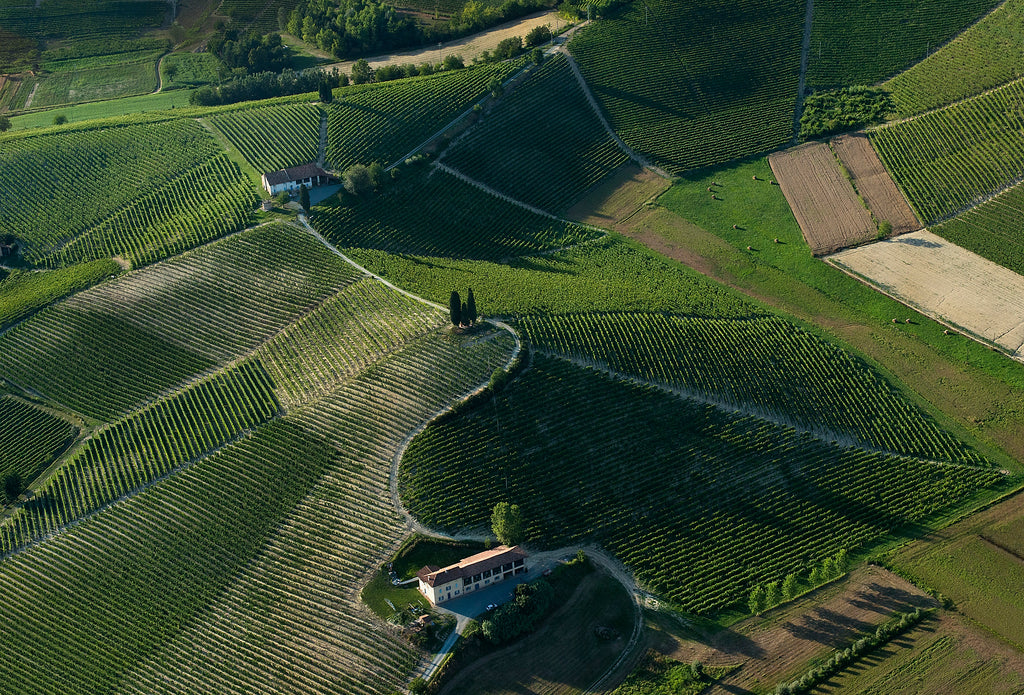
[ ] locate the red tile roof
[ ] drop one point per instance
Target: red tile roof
(474, 564)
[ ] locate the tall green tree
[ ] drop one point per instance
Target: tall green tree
(757, 599)
(326, 93)
(789, 587)
(471, 314)
(507, 523)
(304, 197)
(5, 124)
(12, 487)
(455, 309)
(773, 596)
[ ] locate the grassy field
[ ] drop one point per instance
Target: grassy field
(976, 563)
(105, 109)
(182, 70)
(941, 653)
(73, 86)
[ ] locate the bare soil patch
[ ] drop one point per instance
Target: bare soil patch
(874, 183)
(469, 47)
(830, 215)
(947, 283)
(778, 645)
(612, 202)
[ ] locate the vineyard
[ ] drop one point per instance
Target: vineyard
(384, 122)
(991, 230)
(107, 350)
(32, 438)
(986, 55)
(439, 215)
(542, 144)
(341, 336)
(273, 137)
(699, 503)
(204, 203)
(99, 20)
(142, 448)
(225, 299)
(241, 571)
(765, 367)
(862, 43)
(948, 160)
(21, 293)
(609, 274)
(54, 187)
(725, 91)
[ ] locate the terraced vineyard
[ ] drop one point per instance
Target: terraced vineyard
(242, 570)
(947, 160)
(32, 438)
(857, 43)
(314, 354)
(384, 122)
(699, 503)
(299, 600)
(724, 91)
(440, 215)
(991, 230)
(204, 203)
(543, 144)
(142, 448)
(273, 137)
(109, 349)
(986, 55)
(90, 174)
(225, 299)
(765, 367)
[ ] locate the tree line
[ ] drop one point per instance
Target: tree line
(348, 28)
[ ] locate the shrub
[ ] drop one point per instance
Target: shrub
(538, 35)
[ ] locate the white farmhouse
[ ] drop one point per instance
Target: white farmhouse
(290, 179)
(471, 573)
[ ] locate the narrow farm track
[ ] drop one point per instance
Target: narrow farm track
(321, 156)
(640, 160)
(487, 189)
(805, 54)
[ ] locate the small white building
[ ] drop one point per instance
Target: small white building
(471, 573)
(290, 179)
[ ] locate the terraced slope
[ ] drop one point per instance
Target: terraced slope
(953, 158)
(32, 438)
(985, 56)
(242, 571)
(853, 42)
(700, 503)
(763, 366)
(383, 122)
(435, 214)
(273, 137)
(543, 144)
(725, 84)
(88, 192)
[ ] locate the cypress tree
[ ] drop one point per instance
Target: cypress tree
(304, 197)
(455, 308)
(471, 306)
(465, 313)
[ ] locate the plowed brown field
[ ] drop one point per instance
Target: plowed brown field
(874, 184)
(831, 216)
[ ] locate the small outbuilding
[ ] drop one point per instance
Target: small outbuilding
(310, 175)
(440, 584)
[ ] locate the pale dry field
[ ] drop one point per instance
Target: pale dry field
(945, 282)
(469, 47)
(830, 215)
(874, 184)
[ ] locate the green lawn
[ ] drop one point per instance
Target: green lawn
(104, 109)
